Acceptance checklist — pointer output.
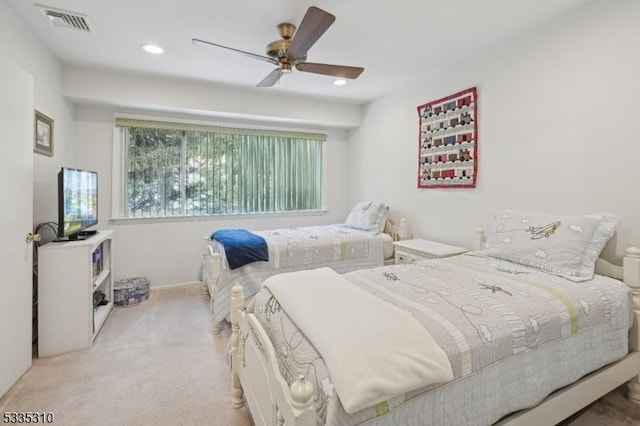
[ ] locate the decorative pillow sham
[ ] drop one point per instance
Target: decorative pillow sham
(367, 216)
(567, 246)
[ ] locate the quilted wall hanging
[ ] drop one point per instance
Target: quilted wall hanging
(448, 141)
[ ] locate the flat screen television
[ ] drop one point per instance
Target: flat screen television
(77, 203)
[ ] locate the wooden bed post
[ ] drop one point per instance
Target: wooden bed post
(210, 275)
(205, 256)
(631, 265)
(237, 304)
(215, 329)
(479, 239)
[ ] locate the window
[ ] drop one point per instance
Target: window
(174, 169)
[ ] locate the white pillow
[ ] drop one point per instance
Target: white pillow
(567, 246)
(367, 216)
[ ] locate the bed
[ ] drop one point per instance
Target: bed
(580, 339)
(358, 243)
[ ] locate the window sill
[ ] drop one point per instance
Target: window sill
(212, 218)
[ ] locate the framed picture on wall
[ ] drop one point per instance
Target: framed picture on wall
(43, 134)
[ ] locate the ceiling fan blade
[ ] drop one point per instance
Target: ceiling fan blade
(314, 24)
(272, 78)
(202, 43)
(342, 71)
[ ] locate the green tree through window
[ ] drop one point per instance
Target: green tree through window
(188, 170)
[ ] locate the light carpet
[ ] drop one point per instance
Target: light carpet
(159, 364)
(156, 363)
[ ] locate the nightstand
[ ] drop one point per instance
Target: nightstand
(409, 251)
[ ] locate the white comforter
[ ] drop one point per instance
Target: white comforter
(345, 323)
(503, 326)
(292, 249)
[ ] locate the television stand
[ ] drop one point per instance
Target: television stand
(80, 236)
(68, 277)
(68, 239)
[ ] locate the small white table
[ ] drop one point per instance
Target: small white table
(409, 251)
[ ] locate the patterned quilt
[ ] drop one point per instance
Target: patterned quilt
(292, 249)
(480, 310)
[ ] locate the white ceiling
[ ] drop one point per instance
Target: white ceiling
(396, 42)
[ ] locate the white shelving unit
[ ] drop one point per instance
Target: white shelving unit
(68, 275)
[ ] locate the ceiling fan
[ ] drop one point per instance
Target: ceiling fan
(291, 50)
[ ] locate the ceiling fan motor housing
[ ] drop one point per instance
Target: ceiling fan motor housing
(278, 48)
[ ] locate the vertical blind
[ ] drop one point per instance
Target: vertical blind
(175, 169)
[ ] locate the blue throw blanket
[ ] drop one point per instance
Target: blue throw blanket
(241, 246)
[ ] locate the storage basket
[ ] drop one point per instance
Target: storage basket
(130, 291)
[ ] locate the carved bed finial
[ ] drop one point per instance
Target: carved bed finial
(301, 392)
(633, 251)
(479, 239)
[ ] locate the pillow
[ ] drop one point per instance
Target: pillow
(367, 216)
(567, 246)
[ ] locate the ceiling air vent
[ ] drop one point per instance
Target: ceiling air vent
(65, 19)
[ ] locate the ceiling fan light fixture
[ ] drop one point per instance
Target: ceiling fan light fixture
(340, 82)
(152, 48)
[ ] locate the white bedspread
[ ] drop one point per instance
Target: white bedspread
(374, 350)
(293, 249)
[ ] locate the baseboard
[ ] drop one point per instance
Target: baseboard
(176, 285)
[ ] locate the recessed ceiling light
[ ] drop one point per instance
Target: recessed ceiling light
(340, 82)
(152, 48)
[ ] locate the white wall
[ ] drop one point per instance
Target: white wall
(169, 253)
(557, 129)
(155, 93)
(19, 45)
